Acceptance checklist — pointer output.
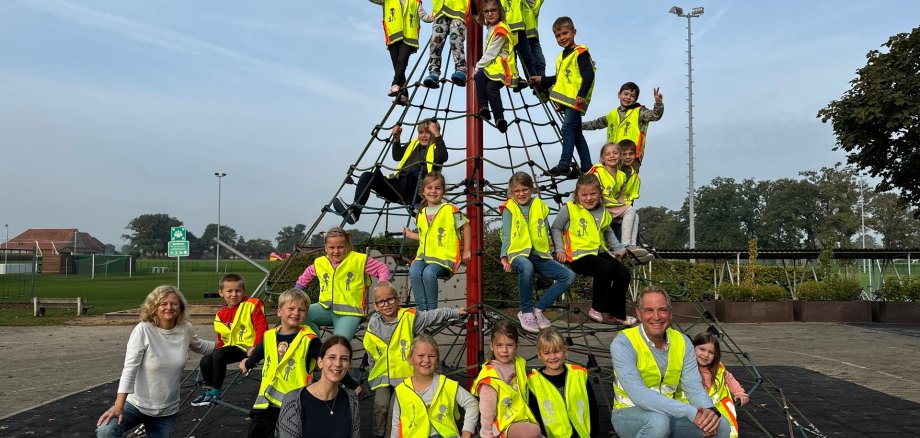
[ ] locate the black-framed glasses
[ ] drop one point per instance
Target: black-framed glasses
(385, 301)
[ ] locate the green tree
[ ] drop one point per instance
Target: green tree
(788, 212)
(150, 232)
(727, 213)
(258, 248)
(290, 236)
(662, 227)
(836, 206)
(876, 121)
(896, 224)
(227, 234)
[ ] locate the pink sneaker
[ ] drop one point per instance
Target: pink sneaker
(542, 320)
(528, 322)
(595, 315)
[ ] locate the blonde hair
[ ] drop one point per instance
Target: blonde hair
(427, 180)
(610, 145)
(425, 339)
(550, 339)
(293, 295)
(388, 286)
(148, 311)
(339, 232)
(520, 178)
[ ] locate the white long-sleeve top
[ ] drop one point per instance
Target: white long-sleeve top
(154, 362)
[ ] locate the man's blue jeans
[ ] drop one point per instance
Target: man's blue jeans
(573, 138)
(423, 277)
(526, 266)
(155, 427)
(636, 422)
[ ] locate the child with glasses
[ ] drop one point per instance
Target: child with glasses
(389, 334)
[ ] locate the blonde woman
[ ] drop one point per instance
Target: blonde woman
(148, 391)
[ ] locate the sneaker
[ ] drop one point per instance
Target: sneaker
(502, 125)
(394, 90)
(559, 170)
(339, 206)
(484, 113)
(542, 320)
(629, 321)
(528, 322)
(351, 217)
(203, 399)
(520, 85)
(639, 256)
(595, 315)
(431, 81)
(402, 99)
(458, 78)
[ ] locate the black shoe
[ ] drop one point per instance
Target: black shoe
(351, 217)
(520, 85)
(402, 99)
(559, 170)
(502, 125)
(339, 206)
(484, 114)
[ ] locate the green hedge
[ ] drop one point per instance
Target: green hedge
(760, 292)
(832, 289)
(900, 290)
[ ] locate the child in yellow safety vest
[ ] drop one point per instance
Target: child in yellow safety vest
(724, 390)
(496, 68)
(290, 352)
(389, 334)
(630, 120)
(583, 237)
(427, 404)
(344, 277)
(401, 24)
(526, 250)
(502, 389)
(630, 170)
(239, 327)
(561, 396)
(440, 228)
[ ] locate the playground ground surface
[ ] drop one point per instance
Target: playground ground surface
(848, 380)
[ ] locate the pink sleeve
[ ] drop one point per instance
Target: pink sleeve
(308, 275)
(733, 386)
(376, 268)
(488, 402)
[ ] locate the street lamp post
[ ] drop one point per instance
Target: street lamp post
(695, 12)
(220, 176)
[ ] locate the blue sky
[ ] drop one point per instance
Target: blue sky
(112, 109)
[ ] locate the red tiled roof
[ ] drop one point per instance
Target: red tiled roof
(55, 240)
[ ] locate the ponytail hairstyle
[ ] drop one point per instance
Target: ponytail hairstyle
(586, 180)
(521, 178)
(613, 145)
(339, 232)
(431, 177)
(426, 339)
(504, 328)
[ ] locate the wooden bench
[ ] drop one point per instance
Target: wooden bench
(40, 304)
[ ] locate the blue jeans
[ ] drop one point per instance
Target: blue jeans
(523, 49)
(343, 325)
(574, 139)
(423, 277)
(526, 267)
(155, 427)
(538, 58)
(636, 422)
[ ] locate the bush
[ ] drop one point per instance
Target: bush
(900, 290)
(760, 292)
(832, 289)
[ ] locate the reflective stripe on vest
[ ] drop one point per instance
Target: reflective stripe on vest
(391, 357)
(531, 17)
(416, 420)
(502, 69)
(456, 9)
(241, 332)
(401, 23)
(512, 402)
(280, 376)
(648, 367)
(568, 80)
(529, 235)
(552, 405)
(343, 288)
(514, 14)
(627, 128)
(610, 186)
(722, 400)
(429, 157)
(441, 245)
(583, 236)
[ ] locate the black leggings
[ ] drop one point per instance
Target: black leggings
(399, 54)
(214, 365)
(611, 281)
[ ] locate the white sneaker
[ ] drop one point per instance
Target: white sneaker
(528, 322)
(542, 320)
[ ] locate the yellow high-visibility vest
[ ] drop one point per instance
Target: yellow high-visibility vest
(611, 185)
(584, 235)
(456, 9)
(242, 332)
(416, 419)
(531, 17)
(344, 287)
(627, 128)
(666, 385)
(721, 398)
(514, 14)
(439, 241)
(391, 358)
(512, 400)
(401, 23)
(631, 187)
(429, 157)
(558, 414)
(280, 376)
(531, 235)
(568, 80)
(502, 69)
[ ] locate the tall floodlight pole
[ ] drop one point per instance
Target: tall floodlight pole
(695, 12)
(474, 209)
(7, 246)
(220, 176)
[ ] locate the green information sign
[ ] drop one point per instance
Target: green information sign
(177, 248)
(177, 233)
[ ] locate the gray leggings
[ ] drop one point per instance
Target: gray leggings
(439, 30)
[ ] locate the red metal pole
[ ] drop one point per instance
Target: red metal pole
(474, 209)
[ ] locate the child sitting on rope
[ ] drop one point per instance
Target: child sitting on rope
(290, 352)
(571, 93)
(239, 327)
(344, 276)
(630, 120)
(448, 15)
(526, 250)
(582, 236)
(389, 333)
(401, 24)
(418, 157)
(440, 226)
(496, 68)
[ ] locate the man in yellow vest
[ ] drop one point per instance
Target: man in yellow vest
(650, 362)
(630, 120)
(416, 159)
